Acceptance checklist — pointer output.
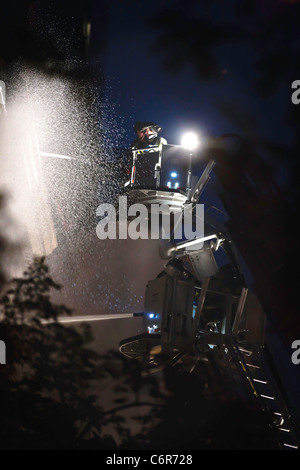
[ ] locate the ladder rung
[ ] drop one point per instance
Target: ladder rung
(281, 422)
(252, 365)
(260, 381)
(289, 445)
(266, 396)
(245, 351)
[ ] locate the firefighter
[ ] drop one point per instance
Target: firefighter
(147, 135)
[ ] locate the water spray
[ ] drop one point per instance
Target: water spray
(89, 318)
(55, 155)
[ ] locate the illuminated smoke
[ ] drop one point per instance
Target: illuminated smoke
(53, 200)
(48, 117)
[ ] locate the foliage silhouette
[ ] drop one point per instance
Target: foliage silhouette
(265, 35)
(44, 383)
(48, 398)
(46, 386)
(184, 39)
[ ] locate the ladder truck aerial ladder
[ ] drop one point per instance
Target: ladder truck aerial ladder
(198, 307)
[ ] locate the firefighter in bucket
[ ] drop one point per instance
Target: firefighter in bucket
(147, 136)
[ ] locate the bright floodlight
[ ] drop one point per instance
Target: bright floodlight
(190, 141)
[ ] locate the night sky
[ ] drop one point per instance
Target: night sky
(208, 66)
(144, 87)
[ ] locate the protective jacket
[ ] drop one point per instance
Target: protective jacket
(147, 143)
(148, 136)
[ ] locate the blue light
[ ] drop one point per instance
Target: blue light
(151, 315)
(173, 174)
